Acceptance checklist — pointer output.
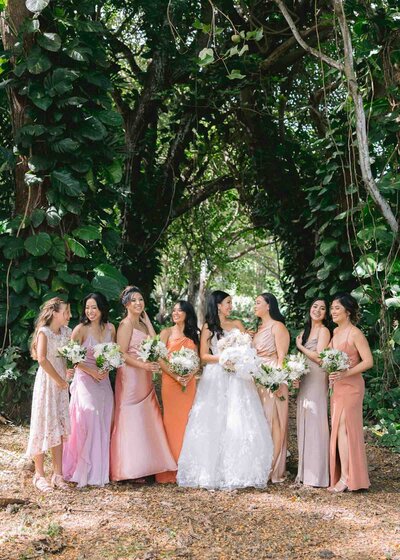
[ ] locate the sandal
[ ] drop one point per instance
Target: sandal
(57, 481)
(335, 490)
(41, 484)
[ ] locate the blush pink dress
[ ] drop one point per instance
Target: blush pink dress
(347, 397)
(87, 451)
(275, 410)
(139, 445)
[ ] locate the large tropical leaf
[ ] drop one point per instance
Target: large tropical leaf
(49, 41)
(38, 245)
(66, 182)
(37, 61)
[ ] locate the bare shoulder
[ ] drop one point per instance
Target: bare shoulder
(125, 325)
(165, 334)
(279, 327)
(79, 332)
(112, 328)
(236, 323)
(325, 331)
(357, 335)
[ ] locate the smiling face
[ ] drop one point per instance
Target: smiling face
(225, 307)
(261, 307)
(178, 315)
(63, 315)
(92, 311)
(318, 311)
(136, 304)
(339, 313)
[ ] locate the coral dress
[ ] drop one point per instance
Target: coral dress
(312, 424)
(276, 410)
(86, 454)
(50, 417)
(176, 406)
(347, 396)
(139, 446)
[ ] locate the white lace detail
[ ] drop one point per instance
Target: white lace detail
(50, 416)
(227, 442)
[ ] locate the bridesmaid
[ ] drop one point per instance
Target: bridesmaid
(176, 402)
(86, 454)
(272, 344)
(139, 446)
(348, 460)
(312, 401)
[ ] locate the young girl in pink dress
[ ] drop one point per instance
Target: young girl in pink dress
(86, 455)
(50, 418)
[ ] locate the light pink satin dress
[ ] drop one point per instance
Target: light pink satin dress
(87, 451)
(275, 410)
(139, 445)
(347, 397)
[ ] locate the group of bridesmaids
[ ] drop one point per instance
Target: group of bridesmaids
(96, 437)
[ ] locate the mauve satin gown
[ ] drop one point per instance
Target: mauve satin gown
(176, 406)
(275, 410)
(347, 396)
(312, 424)
(86, 453)
(139, 446)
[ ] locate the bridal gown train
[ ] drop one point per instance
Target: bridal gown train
(227, 441)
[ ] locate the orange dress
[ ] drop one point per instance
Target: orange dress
(347, 396)
(275, 410)
(176, 405)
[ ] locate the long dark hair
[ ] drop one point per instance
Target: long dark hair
(350, 304)
(212, 317)
(102, 304)
(307, 326)
(190, 329)
(274, 312)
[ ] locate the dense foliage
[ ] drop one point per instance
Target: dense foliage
(196, 145)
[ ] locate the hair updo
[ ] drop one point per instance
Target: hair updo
(350, 304)
(126, 294)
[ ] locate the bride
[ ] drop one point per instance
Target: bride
(227, 441)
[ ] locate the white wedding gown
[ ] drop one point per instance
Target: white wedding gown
(227, 442)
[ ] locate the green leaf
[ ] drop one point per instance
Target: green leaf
(66, 145)
(92, 128)
(206, 56)
(327, 246)
(14, 248)
(37, 217)
(38, 163)
(73, 279)
(114, 171)
(366, 266)
(65, 182)
(236, 75)
(36, 5)
(52, 217)
(323, 274)
(32, 130)
(79, 53)
(109, 281)
(111, 118)
(41, 273)
(37, 62)
(33, 284)
(18, 284)
(60, 81)
(58, 249)
(77, 248)
(49, 41)
(109, 271)
(87, 233)
(38, 245)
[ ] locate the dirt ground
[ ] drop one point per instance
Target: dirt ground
(153, 522)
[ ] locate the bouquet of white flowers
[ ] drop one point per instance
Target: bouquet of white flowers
(236, 354)
(108, 356)
(334, 360)
(270, 377)
(234, 338)
(183, 362)
(296, 366)
(152, 349)
(73, 353)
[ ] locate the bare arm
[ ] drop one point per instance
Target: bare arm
(124, 335)
(282, 341)
(148, 324)
(323, 342)
(205, 355)
(367, 360)
(45, 364)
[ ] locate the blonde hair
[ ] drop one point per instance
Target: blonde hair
(44, 319)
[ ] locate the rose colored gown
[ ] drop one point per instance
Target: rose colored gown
(139, 446)
(86, 454)
(276, 410)
(176, 406)
(347, 396)
(312, 424)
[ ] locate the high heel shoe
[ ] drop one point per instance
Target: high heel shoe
(41, 484)
(57, 481)
(335, 490)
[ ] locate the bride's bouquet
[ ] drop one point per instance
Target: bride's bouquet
(108, 356)
(296, 366)
(236, 354)
(152, 349)
(184, 362)
(334, 360)
(73, 353)
(270, 377)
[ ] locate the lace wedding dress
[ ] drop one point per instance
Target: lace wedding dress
(227, 442)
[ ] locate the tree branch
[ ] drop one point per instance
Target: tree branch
(222, 184)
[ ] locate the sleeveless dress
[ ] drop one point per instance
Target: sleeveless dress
(227, 442)
(176, 406)
(86, 454)
(347, 396)
(50, 422)
(312, 424)
(276, 410)
(139, 446)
